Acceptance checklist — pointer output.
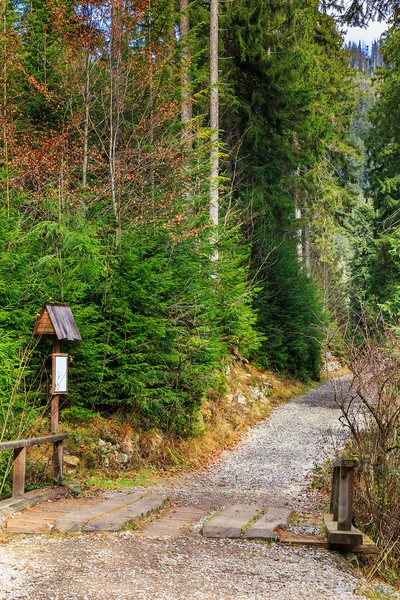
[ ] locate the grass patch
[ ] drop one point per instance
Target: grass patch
(254, 520)
(378, 591)
(144, 477)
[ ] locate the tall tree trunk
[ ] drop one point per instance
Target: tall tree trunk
(214, 117)
(86, 122)
(297, 216)
(186, 87)
(5, 115)
(326, 283)
(151, 102)
(115, 106)
(186, 112)
(307, 258)
(325, 270)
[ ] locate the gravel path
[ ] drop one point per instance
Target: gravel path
(269, 464)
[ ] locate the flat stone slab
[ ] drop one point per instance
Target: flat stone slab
(116, 520)
(264, 527)
(78, 518)
(176, 523)
(231, 522)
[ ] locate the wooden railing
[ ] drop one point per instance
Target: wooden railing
(20, 446)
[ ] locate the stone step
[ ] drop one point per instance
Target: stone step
(78, 518)
(115, 521)
(264, 527)
(231, 522)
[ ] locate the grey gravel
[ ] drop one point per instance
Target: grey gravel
(124, 567)
(270, 464)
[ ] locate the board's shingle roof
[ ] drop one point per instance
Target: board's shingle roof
(63, 322)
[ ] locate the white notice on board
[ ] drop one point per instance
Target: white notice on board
(60, 374)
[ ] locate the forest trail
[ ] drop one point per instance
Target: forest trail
(269, 465)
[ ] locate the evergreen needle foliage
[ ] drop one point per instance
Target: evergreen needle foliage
(105, 182)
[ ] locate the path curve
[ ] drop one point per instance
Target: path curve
(269, 464)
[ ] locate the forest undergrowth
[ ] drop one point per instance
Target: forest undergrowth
(112, 452)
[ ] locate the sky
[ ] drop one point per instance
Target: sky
(373, 32)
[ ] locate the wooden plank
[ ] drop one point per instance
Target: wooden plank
(348, 539)
(298, 539)
(45, 329)
(264, 527)
(36, 496)
(174, 524)
(231, 521)
(26, 443)
(13, 505)
(287, 537)
(367, 547)
(115, 521)
(345, 462)
(43, 325)
(18, 488)
(45, 506)
(76, 519)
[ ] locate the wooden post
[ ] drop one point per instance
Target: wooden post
(19, 472)
(58, 454)
(345, 508)
(55, 400)
(335, 492)
(55, 403)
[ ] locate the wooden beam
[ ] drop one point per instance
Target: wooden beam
(335, 493)
(342, 539)
(345, 504)
(48, 439)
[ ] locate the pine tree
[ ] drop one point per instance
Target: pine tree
(384, 181)
(285, 125)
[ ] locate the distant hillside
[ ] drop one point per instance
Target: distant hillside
(364, 57)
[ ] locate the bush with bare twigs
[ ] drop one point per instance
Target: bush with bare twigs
(371, 410)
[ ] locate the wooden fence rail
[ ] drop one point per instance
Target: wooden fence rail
(20, 446)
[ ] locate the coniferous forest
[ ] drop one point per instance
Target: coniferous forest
(197, 181)
(109, 202)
